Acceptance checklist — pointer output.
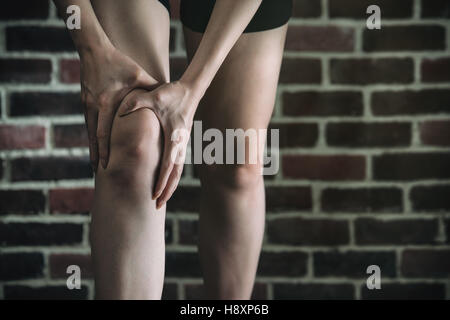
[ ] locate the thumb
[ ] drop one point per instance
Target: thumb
(137, 102)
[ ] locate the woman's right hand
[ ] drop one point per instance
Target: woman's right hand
(107, 76)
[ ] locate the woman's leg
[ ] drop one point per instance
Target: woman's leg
(242, 95)
(127, 232)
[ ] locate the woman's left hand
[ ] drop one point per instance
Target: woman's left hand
(174, 105)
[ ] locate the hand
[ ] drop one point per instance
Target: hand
(174, 105)
(107, 76)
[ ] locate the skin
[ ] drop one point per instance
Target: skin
(107, 76)
(127, 231)
(232, 209)
(127, 228)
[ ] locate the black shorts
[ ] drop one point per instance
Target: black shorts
(271, 14)
(166, 4)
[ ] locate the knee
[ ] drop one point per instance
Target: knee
(240, 177)
(135, 149)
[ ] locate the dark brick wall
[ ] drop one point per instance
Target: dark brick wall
(365, 169)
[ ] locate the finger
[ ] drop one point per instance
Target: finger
(105, 120)
(171, 186)
(91, 123)
(167, 164)
(145, 100)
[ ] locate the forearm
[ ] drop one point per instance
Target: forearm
(91, 35)
(227, 23)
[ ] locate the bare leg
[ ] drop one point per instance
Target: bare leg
(127, 232)
(232, 213)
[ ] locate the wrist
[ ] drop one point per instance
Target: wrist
(94, 48)
(194, 87)
(91, 40)
(192, 97)
(200, 73)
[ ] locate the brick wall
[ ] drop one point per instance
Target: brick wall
(365, 171)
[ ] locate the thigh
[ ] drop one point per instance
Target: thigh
(140, 29)
(243, 92)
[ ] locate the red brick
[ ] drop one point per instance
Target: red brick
(313, 232)
(300, 70)
(21, 265)
(436, 133)
(21, 202)
(197, 291)
(71, 200)
(45, 104)
(45, 292)
(69, 71)
(70, 136)
(322, 103)
(357, 9)
(320, 38)
(353, 264)
(369, 135)
(175, 9)
(435, 9)
(422, 263)
(283, 264)
(313, 291)
(435, 70)
(411, 166)
(324, 167)
(38, 39)
(405, 291)
(60, 261)
(17, 10)
(186, 199)
(358, 200)
(395, 232)
(50, 168)
(15, 70)
(411, 102)
(21, 137)
(306, 9)
(188, 231)
(296, 134)
(404, 38)
(182, 264)
(40, 234)
(364, 71)
(288, 198)
(432, 198)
